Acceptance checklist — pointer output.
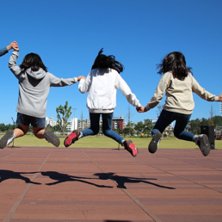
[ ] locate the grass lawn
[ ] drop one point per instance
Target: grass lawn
(105, 142)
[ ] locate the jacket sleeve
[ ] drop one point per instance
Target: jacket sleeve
(84, 84)
(3, 51)
(59, 82)
(159, 93)
(12, 63)
(200, 91)
(125, 89)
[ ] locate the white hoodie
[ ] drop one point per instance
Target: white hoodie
(102, 85)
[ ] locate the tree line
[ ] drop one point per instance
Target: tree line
(141, 128)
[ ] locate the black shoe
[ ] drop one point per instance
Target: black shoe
(52, 138)
(203, 143)
(154, 142)
(5, 138)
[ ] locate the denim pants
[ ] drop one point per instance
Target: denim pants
(106, 126)
(181, 121)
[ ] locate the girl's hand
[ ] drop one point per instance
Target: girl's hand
(220, 98)
(81, 77)
(140, 109)
(13, 45)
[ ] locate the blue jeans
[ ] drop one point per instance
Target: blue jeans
(106, 126)
(166, 118)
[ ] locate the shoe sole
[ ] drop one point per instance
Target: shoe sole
(71, 138)
(152, 148)
(5, 138)
(52, 138)
(204, 145)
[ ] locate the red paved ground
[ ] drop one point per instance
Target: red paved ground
(105, 185)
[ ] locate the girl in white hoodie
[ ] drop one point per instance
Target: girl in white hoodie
(102, 84)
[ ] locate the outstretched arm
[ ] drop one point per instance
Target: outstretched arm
(59, 82)
(84, 84)
(130, 96)
(12, 45)
(12, 64)
(158, 95)
(204, 94)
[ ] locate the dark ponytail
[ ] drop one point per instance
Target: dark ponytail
(104, 62)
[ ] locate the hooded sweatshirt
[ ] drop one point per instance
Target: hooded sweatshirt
(179, 93)
(102, 85)
(34, 88)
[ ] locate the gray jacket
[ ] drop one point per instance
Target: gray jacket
(34, 88)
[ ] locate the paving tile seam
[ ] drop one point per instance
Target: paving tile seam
(164, 171)
(189, 180)
(96, 164)
(130, 196)
(187, 162)
(141, 206)
(13, 209)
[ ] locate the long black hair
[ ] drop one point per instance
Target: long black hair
(176, 63)
(104, 62)
(33, 61)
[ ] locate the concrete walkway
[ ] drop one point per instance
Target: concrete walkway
(108, 185)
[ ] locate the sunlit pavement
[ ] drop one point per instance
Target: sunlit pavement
(109, 185)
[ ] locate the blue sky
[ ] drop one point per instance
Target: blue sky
(67, 34)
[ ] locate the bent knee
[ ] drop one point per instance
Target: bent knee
(39, 133)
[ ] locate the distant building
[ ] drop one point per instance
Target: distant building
(82, 124)
(221, 107)
(118, 123)
(50, 122)
(77, 124)
(72, 125)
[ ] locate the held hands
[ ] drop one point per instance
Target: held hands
(141, 109)
(81, 77)
(13, 45)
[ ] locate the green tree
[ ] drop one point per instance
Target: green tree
(143, 128)
(139, 128)
(63, 114)
(217, 120)
(5, 127)
(129, 129)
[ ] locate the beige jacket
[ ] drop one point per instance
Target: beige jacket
(179, 94)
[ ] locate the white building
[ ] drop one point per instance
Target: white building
(50, 121)
(72, 125)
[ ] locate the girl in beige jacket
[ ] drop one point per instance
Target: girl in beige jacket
(178, 84)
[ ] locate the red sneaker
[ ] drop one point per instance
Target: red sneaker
(71, 138)
(130, 147)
